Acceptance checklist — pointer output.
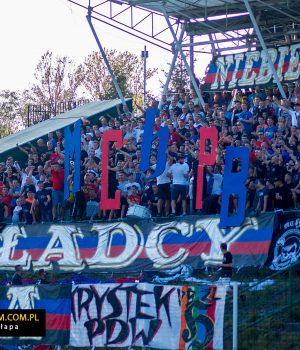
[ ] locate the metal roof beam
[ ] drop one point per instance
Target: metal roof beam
(296, 19)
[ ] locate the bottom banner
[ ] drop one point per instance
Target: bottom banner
(115, 315)
(54, 301)
(162, 317)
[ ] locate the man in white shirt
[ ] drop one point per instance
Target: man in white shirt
(179, 173)
(164, 188)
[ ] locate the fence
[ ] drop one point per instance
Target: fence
(41, 112)
(268, 312)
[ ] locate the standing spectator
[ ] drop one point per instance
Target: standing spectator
(3, 210)
(246, 118)
(7, 197)
(17, 212)
(43, 203)
(236, 111)
(211, 202)
(17, 277)
(179, 173)
(164, 189)
(122, 185)
(153, 200)
(58, 188)
(283, 195)
(226, 266)
(28, 208)
(271, 129)
(42, 277)
(260, 203)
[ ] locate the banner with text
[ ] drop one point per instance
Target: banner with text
(56, 300)
(123, 315)
(134, 246)
(285, 248)
(251, 68)
(161, 317)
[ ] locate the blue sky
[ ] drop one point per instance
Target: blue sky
(31, 27)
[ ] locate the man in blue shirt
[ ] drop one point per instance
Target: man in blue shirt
(271, 129)
(246, 118)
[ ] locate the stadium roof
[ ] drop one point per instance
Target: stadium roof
(209, 8)
(58, 122)
(220, 16)
(226, 22)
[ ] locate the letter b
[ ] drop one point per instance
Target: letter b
(233, 183)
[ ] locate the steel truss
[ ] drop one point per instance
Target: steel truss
(211, 26)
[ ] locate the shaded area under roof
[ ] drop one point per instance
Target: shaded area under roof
(206, 8)
(90, 110)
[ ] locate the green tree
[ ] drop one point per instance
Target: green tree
(127, 68)
(179, 78)
(10, 112)
(56, 79)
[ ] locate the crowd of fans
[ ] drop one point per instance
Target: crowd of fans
(260, 120)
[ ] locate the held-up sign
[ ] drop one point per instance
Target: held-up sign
(233, 182)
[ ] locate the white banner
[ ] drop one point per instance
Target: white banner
(156, 316)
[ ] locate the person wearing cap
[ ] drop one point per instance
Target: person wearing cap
(179, 174)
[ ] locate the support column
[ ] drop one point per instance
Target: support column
(192, 55)
(117, 87)
(179, 48)
(263, 45)
(235, 316)
(175, 55)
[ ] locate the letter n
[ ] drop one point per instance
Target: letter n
(107, 137)
(149, 137)
(72, 150)
(234, 183)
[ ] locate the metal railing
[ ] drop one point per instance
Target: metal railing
(42, 112)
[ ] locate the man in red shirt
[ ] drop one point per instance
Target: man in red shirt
(58, 188)
(134, 198)
(173, 135)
